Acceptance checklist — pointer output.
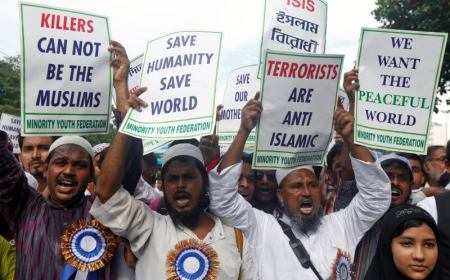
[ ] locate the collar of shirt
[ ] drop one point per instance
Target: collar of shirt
(76, 204)
(216, 233)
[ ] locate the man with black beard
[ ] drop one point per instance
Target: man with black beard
(328, 239)
(33, 156)
(187, 244)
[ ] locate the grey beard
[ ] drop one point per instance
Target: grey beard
(306, 224)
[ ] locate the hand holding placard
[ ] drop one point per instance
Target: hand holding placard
(351, 85)
(120, 63)
(343, 123)
(251, 114)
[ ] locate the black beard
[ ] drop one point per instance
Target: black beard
(306, 224)
(187, 218)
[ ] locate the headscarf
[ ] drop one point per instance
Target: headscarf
(383, 266)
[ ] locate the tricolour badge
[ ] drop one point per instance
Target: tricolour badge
(343, 269)
(88, 245)
(192, 259)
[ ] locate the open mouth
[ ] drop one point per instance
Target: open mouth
(244, 194)
(396, 192)
(306, 207)
(182, 199)
(66, 185)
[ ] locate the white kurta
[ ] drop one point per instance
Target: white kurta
(152, 236)
(343, 230)
(429, 205)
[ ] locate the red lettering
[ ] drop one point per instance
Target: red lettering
(277, 68)
(312, 68)
(310, 5)
(73, 23)
(271, 62)
(81, 23)
(294, 67)
(52, 21)
(302, 71)
(58, 26)
(284, 67)
(44, 20)
(90, 25)
(335, 71)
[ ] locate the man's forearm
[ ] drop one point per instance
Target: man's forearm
(234, 153)
(113, 166)
(360, 152)
(14, 190)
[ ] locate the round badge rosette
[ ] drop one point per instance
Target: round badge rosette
(192, 259)
(88, 246)
(342, 268)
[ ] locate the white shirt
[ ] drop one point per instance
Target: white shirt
(429, 205)
(152, 236)
(145, 192)
(416, 196)
(343, 230)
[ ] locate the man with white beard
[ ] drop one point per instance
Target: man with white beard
(330, 240)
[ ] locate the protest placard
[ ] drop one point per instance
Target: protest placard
(65, 77)
(11, 125)
(398, 74)
(180, 72)
(299, 93)
(294, 25)
(134, 75)
(242, 85)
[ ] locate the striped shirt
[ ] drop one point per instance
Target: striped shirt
(36, 223)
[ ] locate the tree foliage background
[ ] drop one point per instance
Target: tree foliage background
(419, 15)
(10, 85)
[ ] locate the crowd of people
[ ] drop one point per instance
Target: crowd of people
(206, 214)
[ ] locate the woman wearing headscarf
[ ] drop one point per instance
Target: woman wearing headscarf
(407, 248)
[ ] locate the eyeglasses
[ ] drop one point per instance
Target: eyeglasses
(270, 175)
(441, 159)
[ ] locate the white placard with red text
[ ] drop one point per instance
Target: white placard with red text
(298, 26)
(66, 76)
(299, 93)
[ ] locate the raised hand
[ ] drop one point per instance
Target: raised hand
(251, 113)
(351, 85)
(343, 123)
(133, 101)
(120, 62)
(209, 146)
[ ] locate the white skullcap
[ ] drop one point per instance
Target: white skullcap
(32, 182)
(183, 149)
(100, 148)
(74, 140)
(394, 156)
(282, 173)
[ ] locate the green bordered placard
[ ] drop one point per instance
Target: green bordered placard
(48, 122)
(164, 130)
(384, 138)
(272, 158)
